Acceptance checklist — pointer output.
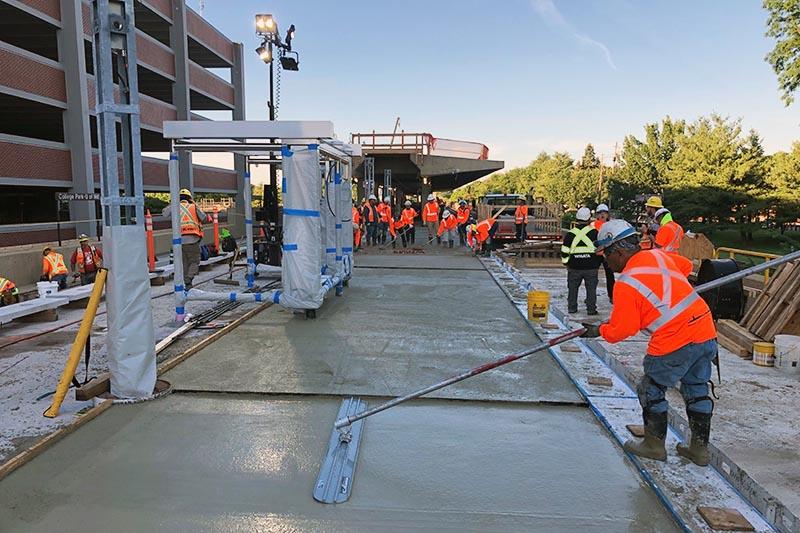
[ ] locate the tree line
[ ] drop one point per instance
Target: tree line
(707, 171)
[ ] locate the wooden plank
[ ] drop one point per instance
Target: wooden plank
(733, 346)
(600, 381)
(764, 303)
(725, 518)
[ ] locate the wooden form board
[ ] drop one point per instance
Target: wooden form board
(545, 218)
(776, 308)
(736, 338)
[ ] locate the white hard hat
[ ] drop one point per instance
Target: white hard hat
(583, 214)
(372, 197)
(408, 202)
(601, 208)
(431, 197)
(662, 211)
(387, 199)
(613, 231)
(446, 213)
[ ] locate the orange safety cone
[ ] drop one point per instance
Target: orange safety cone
(151, 245)
(215, 218)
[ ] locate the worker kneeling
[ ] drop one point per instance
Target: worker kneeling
(653, 294)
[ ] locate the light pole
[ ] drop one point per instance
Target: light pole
(267, 30)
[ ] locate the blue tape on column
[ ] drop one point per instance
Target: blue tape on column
(232, 297)
(276, 297)
(178, 288)
(247, 175)
(176, 241)
(248, 221)
(180, 311)
(285, 152)
(283, 184)
(289, 247)
(301, 212)
(313, 146)
(173, 156)
(251, 261)
(337, 178)
(338, 226)
(258, 296)
(330, 250)
(347, 249)
(338, 257)
(323, 269)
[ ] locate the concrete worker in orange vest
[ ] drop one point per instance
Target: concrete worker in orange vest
(54, 268)
(87, 259)
(192, 219)
(385, 213)
(484, 231)
(521, 220)
(670, 233)
(407, 215)
(9, 293)
(356, 214)
(448, 228)
(430, 217)
(370, 218)
(601, 216)
(652, 294)
(462, 215)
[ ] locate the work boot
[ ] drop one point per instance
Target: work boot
(697, 451)
(655, 433)
(451, 244)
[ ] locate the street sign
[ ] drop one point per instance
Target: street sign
(77, 196)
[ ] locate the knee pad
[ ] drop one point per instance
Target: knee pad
(641, 391)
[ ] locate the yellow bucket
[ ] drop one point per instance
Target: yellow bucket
(763, 354)
(538, 305)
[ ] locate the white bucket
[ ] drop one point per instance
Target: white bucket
(787, 353)
(46, 288)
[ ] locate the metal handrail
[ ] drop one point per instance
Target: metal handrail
(732, 252)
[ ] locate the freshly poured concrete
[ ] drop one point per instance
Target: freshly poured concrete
(246, 463)
(394, 331)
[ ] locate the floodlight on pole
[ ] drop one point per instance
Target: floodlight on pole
(266, 24)
(265, 52)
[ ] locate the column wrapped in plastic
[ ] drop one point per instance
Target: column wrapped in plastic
(131, 342)
(329, 209)
(323, 227)
(301, 228)
(346, 200)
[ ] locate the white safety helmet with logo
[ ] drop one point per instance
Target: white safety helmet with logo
(431, 197)
(601, 208)
(408, 203)
(611, 232)
(661, 212)
(372, 197)
(583, 214)
(387, 199)
(446, 213)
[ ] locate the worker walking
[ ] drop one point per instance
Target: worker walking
(356, 219)
(521, 219)
(87, 259)
(9, 293)
(669, 234)
(462, 216)
(653, 294)
(385, 213)
(54, 268)
(578, 254)
(191, 219)
(601, 216)
(430, 216)
(448, 228)
(408, 215)
(371, 217)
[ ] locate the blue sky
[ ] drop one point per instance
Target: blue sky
(521, 76)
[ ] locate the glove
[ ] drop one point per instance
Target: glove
(592, 330)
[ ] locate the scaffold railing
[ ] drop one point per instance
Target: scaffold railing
(422, 143)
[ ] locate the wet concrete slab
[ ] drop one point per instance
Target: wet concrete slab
(394, 331)
(434, 257)
(217, 462)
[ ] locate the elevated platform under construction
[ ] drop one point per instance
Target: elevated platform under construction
(238, 445)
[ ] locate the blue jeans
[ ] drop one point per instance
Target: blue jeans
(691, 365)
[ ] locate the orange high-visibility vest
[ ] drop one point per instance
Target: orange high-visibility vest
(82, 260)
(371, 212)
(521, 214)
(447, 223)
(385, 212)
(53, 265)
(462, 215)
(356, 216)
(6, 285)
(669, 237)
(482, 229)
(598, 224)
(391, 228)
(190, 222)
(653, 294)
(430, 213)
(408, 215)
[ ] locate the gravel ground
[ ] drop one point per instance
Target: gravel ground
(31, 368)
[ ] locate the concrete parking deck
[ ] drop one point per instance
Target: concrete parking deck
(502, 459)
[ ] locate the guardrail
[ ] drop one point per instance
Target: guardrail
(733, 252)
(423, 143)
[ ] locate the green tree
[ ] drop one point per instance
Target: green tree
(589, 159)
(783, 24)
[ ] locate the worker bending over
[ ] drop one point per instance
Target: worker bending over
(483, 233)
(578, 254)
(430, 216)
(54, 268)
(9, 293)
(653, 294)
(87, 259)
(191, 220)
(601, 216)
(407, 216)
(462, 216)
(448, 228)
(521, 220)
(371, 217)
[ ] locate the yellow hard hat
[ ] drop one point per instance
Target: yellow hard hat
(654, 201)
(186, 192)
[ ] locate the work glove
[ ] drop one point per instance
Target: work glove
(592, 330)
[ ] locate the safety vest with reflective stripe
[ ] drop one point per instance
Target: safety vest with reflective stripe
(6, 285)
(190, 222)
(408, 215)
(385, 212)
(653, 295)
(483, 228)
(597, 224)
(669, 236)
(521, 214)
(462, 215)
(356, 216)
(447, 224)
(581, 246)
(83, 260)
(54, 265)
(430, 213)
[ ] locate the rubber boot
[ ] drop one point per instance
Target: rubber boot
(655, 433)
(697, 451)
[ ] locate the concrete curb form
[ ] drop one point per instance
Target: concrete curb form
(772, 513)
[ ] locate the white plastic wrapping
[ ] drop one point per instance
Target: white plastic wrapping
(329, 209)
(301, 229)
(346, 232)
(130, 340)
